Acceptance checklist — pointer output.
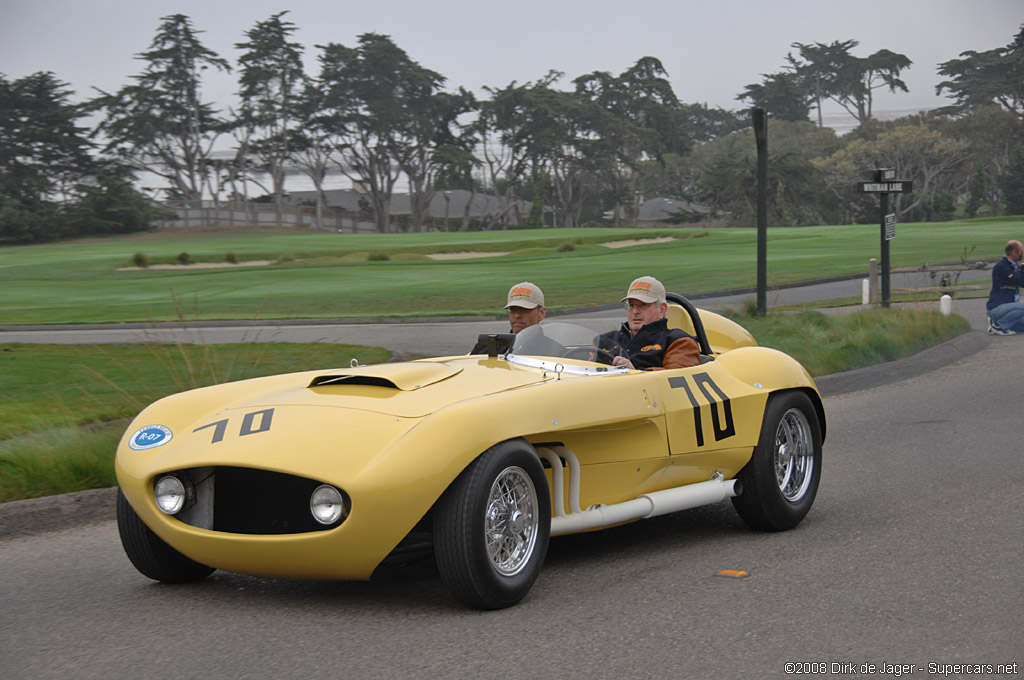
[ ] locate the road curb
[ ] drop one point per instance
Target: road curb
(893, 371)
(55, 513)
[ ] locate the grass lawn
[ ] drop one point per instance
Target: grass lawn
(322, 275)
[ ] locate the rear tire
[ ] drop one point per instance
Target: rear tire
(492, 526)
(780, 481)
(150, 555)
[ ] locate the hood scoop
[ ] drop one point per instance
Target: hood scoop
(404, 376)
(374, 380)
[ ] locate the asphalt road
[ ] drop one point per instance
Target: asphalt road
(911, 555)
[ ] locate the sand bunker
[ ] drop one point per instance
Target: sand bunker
(465, 255)
(637, 242)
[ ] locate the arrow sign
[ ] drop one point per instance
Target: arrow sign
(893, 187)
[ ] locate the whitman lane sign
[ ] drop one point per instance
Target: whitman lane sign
(885, 183)
(894, 187)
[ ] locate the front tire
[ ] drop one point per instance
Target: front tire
(492, 526)
(780, 481)
(150, 555)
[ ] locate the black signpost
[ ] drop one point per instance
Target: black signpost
(760, 121)
(885, 183)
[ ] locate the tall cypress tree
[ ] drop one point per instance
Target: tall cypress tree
(51, 184)
(161, 124)
(271, 79)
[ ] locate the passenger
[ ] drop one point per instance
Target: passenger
(645, 335)
(1005, 310)
(525, 308)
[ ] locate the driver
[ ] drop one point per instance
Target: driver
(525, 308)
(645, 335)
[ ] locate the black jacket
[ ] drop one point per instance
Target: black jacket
(647, 348)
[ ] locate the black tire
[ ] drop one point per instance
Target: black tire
(488, 559)
(779, 483)
(150, 555)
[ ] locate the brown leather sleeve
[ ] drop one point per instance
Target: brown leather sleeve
(682, 353)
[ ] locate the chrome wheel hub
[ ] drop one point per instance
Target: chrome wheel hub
(510, 521)
(794, 455)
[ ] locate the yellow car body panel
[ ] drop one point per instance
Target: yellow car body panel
(723, 334)
(393, 438)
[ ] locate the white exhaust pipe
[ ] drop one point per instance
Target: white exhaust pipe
(648, 505)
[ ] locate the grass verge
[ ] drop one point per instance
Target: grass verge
(827, 344)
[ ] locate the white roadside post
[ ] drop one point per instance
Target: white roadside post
(946, 305)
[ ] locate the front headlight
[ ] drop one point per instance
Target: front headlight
(172, 494)
(327, 504)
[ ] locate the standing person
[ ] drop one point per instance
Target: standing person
(525, 308)
(1005, 310)
(645, 335)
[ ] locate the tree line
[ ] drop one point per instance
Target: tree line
(600, 143)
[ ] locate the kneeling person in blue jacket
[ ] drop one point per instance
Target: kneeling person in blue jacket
(1005, 310)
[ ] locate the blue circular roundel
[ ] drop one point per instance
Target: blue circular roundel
(149, 437)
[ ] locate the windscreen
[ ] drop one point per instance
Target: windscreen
(565, 340)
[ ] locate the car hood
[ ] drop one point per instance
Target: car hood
(408, 390)
(287, 422)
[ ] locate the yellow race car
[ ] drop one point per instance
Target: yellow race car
(475, 459)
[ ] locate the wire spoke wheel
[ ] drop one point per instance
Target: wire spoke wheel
(510, 524)
(492, 525)
(780, 480)
(794, 455)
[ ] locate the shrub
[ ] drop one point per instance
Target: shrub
(378, 257)
(140, 260)
(566, 247)
(232, 258)
(184, 258)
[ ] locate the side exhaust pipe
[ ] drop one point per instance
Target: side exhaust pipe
(647, 505)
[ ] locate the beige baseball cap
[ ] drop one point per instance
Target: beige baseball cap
(525, 295)
(645, 289)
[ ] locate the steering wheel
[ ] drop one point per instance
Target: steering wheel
(588, 352)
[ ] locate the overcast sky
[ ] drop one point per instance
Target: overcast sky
(711, 49)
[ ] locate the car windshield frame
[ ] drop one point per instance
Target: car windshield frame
(559, 367)
(545, 347)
